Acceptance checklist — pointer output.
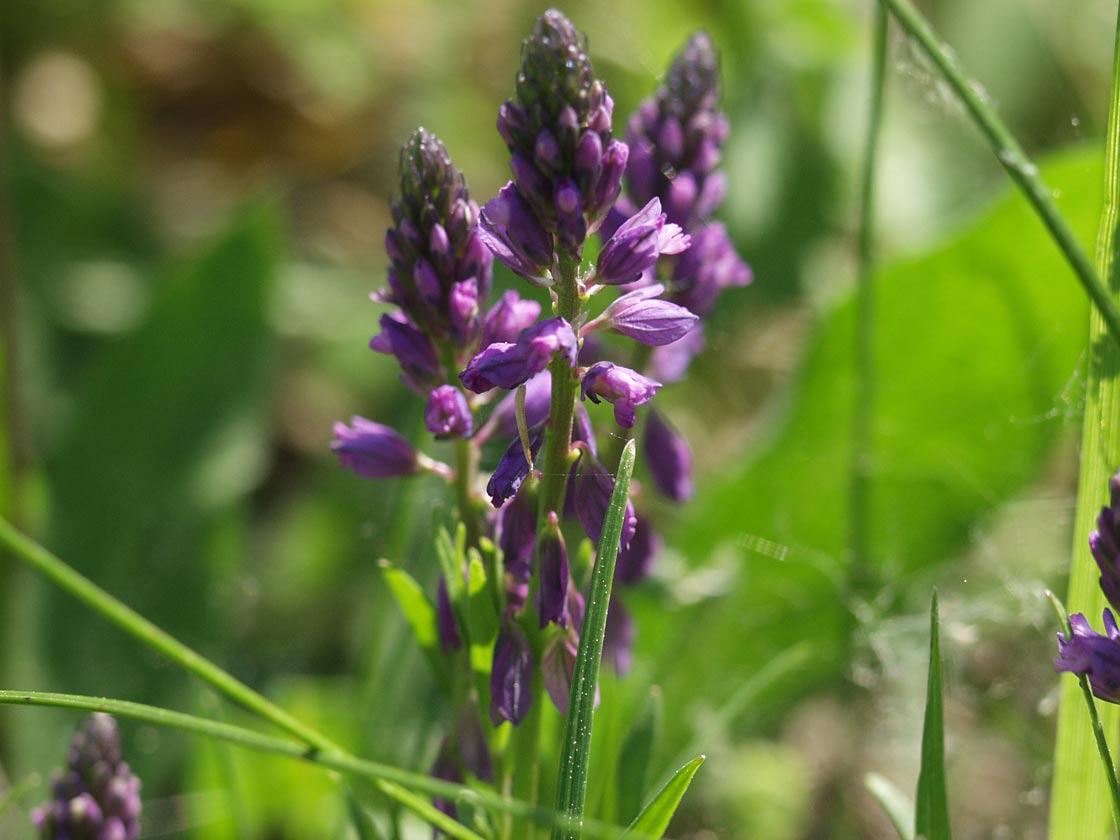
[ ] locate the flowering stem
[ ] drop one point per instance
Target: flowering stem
(863, 408)
(1011, 156)
(466, 464)
(1077, 806)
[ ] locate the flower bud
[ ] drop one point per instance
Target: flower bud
(372, 450)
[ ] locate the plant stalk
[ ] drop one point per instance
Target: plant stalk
(1011, 156)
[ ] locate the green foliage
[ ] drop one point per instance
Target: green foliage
(635, 756)
(931, 811)
(894, 803)
(417, 610)
(654, 819)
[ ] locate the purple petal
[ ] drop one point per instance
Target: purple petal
(372, 450)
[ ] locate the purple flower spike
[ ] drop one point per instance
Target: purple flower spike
(507, 318)
(372, 450)
(510, 229)
(513, 469)
(504, 365)
(1105, 544)
(511, 676)
(98, 796)
(669, 458)
(593, 489)
(449, 638)
(707, 268)
(1088, 652)
(448, 414)
(554, 575)
(624, 387)
(644, 317)
(637, 244)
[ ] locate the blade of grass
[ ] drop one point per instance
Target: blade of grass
(571, 787)
(931, 819)
(1011, 156)
(1079, 800)
(898, 808)
(863, 410)
(654, 819)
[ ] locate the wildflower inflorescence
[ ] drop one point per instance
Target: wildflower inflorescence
(525, 377)
(97, 797)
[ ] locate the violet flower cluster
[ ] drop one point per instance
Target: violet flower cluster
(526, 378)
(1087, 652)
(97, 796)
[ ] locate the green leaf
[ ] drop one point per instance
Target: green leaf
(931, 820)
(571, 787)
(634, 757)
(654, 820)
(482, 618)
(418, 611)
(895, 804)
(977, 348)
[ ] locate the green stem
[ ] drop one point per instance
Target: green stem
(863, 411)
(1102, 749)
(341, 761)
(466, 466)
(1011, 156)
(571, 787)
(136, 625)
(1078, 806)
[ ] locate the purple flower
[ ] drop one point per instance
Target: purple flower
(505, 365)
(513, 469)
(554, 575)
(618, 641)
(558, 665)
(449, 638)
(635, 560)
(517, 531)
(637, 244)
(507, 318)
(372, 450)
(414, 350)
(1088, 652)
(98, 796)
(510, 229)
(707, 268)
(538, 398)
(593, 488)
(1105, 544)
(669, 458)
(644, 317)
(511, 676)
(439, 270)
(448, 768)
(623, 387)
(448, 414)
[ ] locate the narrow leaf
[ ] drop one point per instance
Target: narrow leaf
(634, 758)
(482, 619)
(418, 611)
(895, 804)
(571, 787)
(654, 820)
(932, 812)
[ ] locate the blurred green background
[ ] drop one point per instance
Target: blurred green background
(194, 199)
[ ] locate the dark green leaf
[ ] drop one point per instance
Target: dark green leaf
(931, 820)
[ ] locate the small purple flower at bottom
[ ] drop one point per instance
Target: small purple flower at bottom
(669, 458)
(625, 388)
(447, 414)
(372, 450)
(511, 676)
(505, 365)
(1088, 652)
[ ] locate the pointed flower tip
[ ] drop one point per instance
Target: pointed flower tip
(372, 450)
